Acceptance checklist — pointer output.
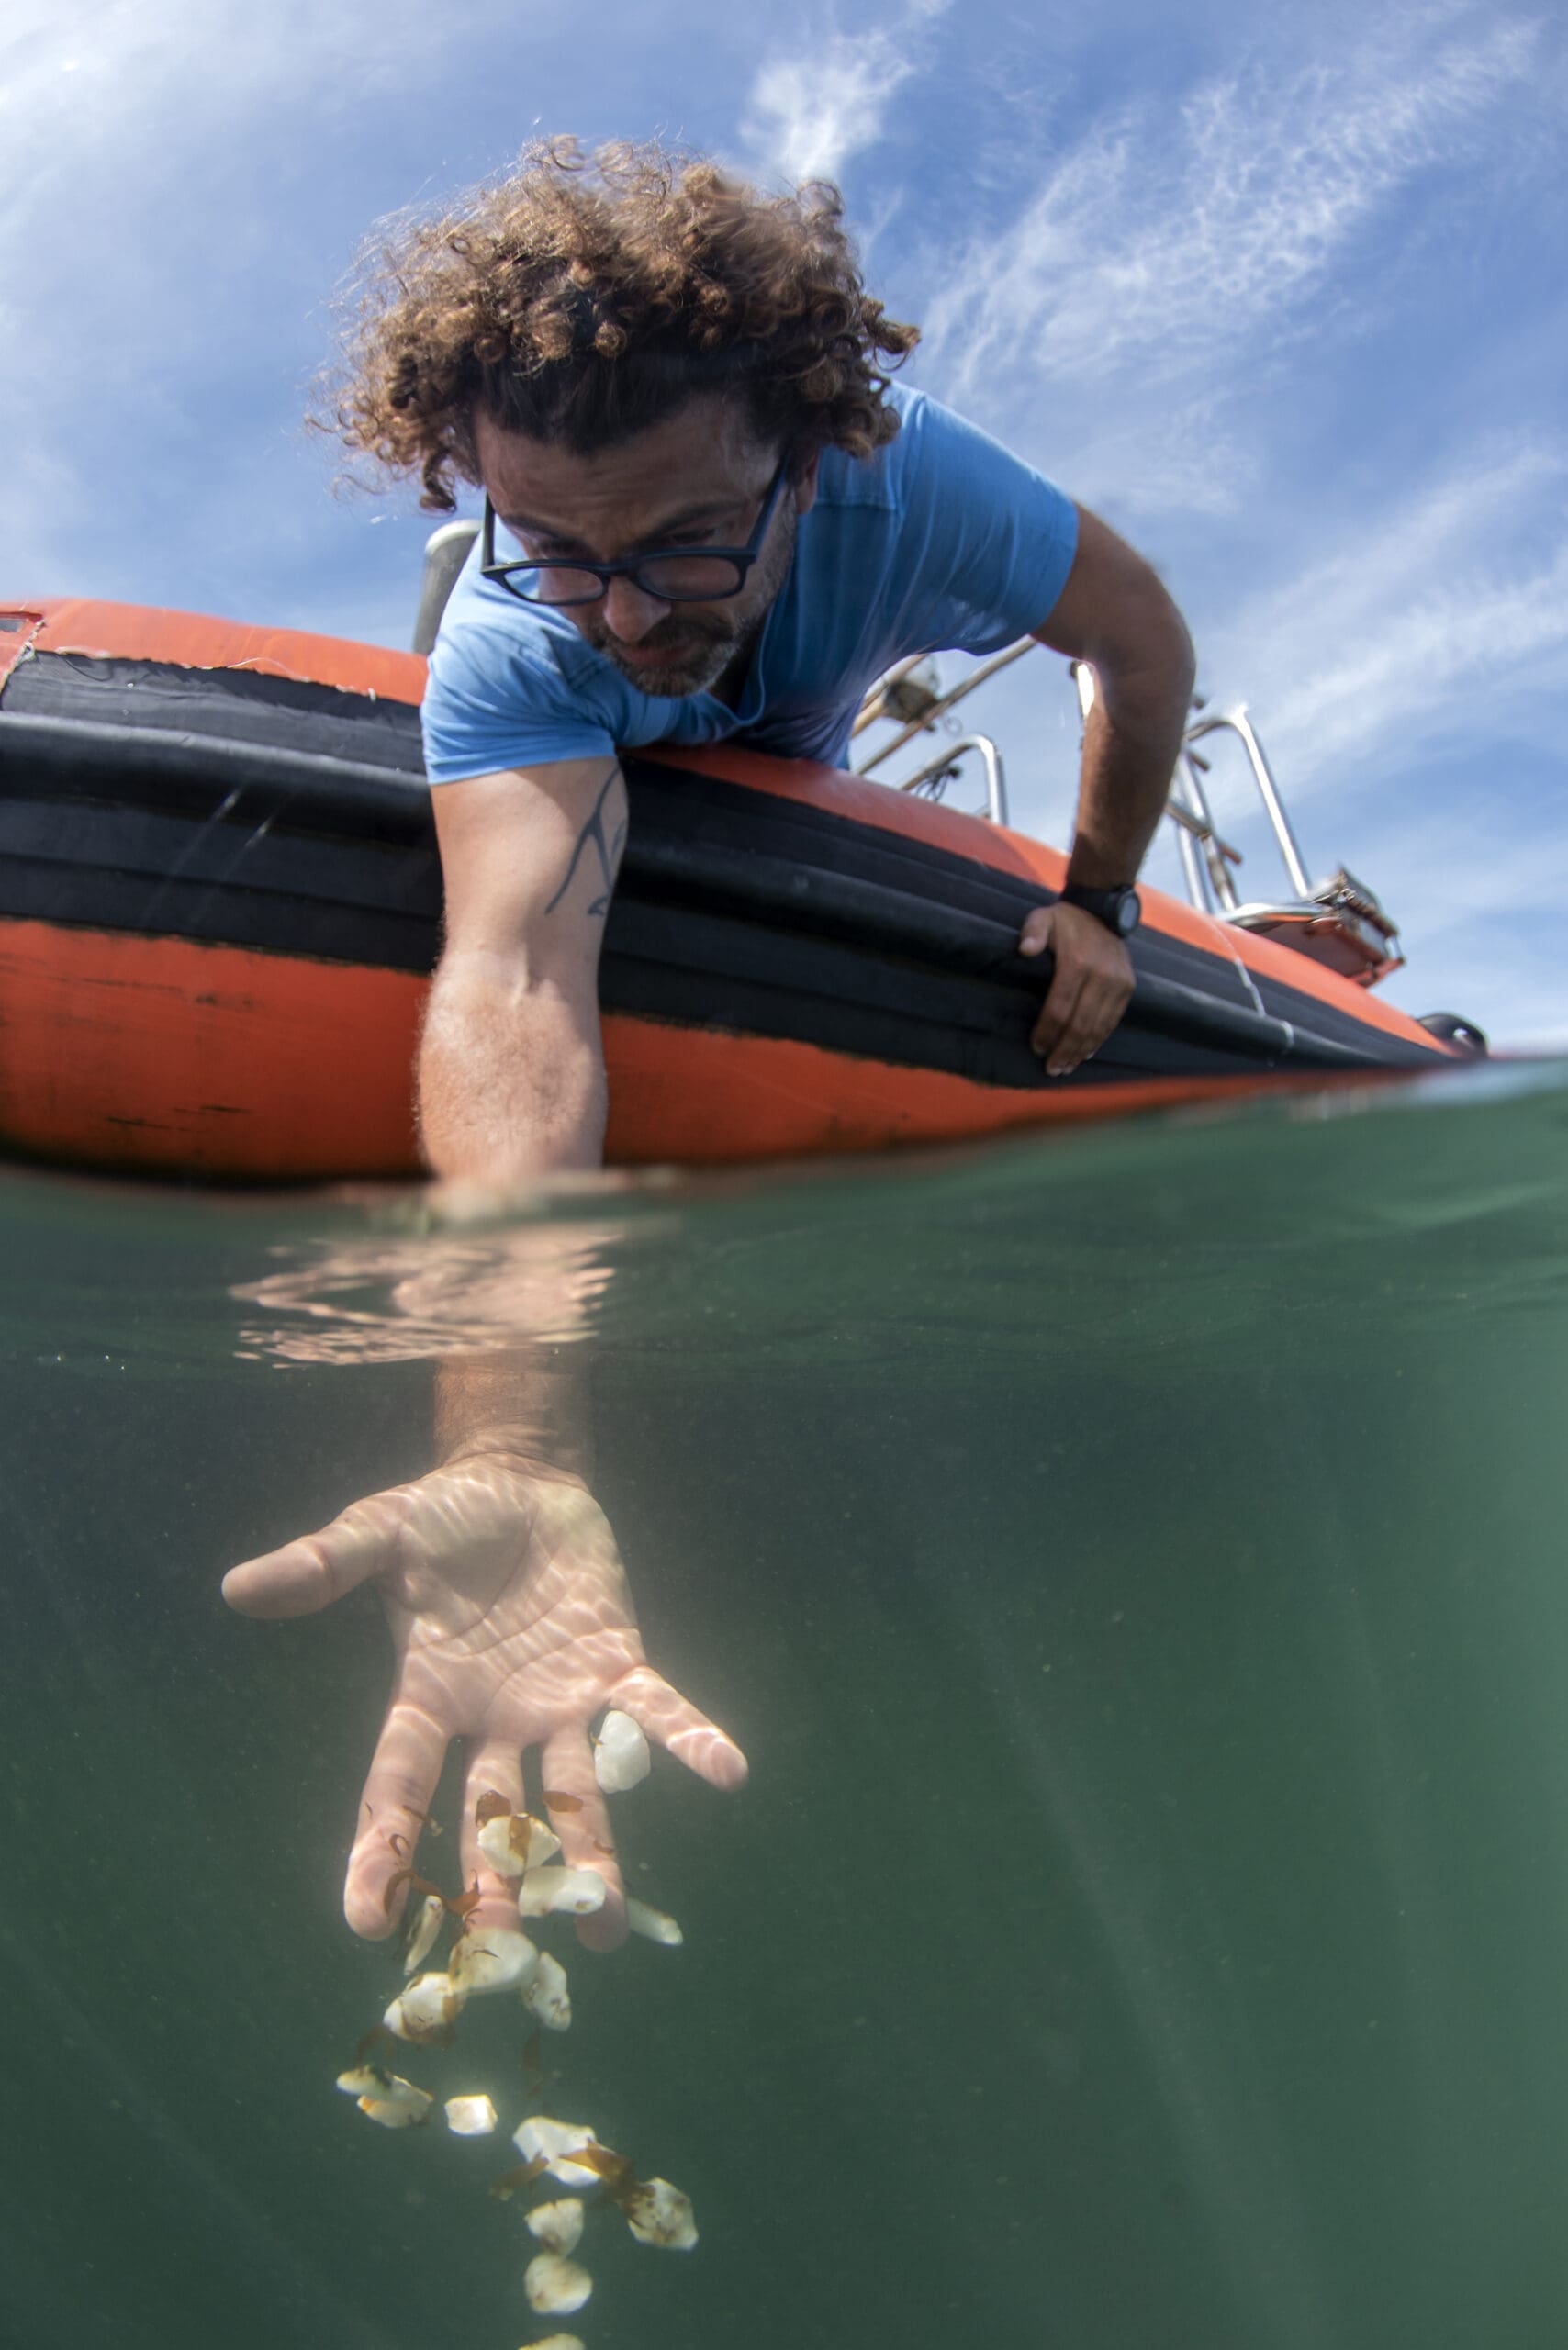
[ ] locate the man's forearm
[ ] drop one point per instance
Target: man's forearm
(1130, 743)
(1115, 614)
(510, 1075)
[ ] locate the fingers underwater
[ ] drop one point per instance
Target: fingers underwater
(289, 1582)
(678, 1725)
(495, 1768)
(399, 1790)
(308, 1574)
(580, 1816)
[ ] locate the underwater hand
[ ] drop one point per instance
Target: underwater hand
(513, 1627)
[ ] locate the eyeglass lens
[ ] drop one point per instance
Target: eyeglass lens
(675, 579)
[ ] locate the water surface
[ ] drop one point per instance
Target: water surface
(1132, 1563)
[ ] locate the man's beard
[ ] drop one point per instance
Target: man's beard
(700, 649)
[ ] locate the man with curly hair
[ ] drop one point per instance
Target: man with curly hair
(707, 514)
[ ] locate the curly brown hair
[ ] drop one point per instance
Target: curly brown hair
(587, 297)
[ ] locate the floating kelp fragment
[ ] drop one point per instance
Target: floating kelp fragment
(555, 2342)
(490, 1806)
(496, 1959)
(658, 2213)
(555, 2287)
(514, 1840)
(424, 1924)
(621, 1758)
(556, 1799)
(546, 1893)
(512, 2182)
(615, 2173)
(653, 1923)
(558, 2226)
(556, 2144)
(470, 2117)
(426, 2012)
(547, 1997)
(417, 1883)
(369, 2043)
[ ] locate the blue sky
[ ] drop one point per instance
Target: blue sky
(1281, 293)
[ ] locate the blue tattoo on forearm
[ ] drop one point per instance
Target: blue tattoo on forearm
(608, 852)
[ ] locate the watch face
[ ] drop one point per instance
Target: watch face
(1129, 910)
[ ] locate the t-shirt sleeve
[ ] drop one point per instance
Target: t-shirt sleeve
(989, 542)
(501, 696)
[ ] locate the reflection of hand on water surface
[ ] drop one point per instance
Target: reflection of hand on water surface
(514, 1628)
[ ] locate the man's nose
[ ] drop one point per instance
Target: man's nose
(629, 613)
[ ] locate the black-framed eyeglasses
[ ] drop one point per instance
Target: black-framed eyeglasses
(673, 575)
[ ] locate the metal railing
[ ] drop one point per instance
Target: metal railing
(931, 780)
(924, 709)
(1339, 921)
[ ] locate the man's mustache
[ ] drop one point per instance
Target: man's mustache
(671, 635)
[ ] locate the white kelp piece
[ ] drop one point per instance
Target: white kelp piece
(658, 2213)
(621, 1758)
(470, 2117)
(654, 1924)
(546, 1996)
(390, 2116)
(387, 2097)
(539, 2139)
(557, 2227)
(495, 1958)
(515, 1841)
(548, 1892)
(555, 2287)
(555, 2342)
(426, 2011)
(423, 1927)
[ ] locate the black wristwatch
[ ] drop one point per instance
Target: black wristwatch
(1120, 910)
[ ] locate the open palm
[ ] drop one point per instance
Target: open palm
(513, 1624)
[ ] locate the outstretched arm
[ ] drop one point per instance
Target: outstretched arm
(512, 1069)
(511, 1620)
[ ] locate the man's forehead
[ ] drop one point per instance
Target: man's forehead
(706, 454)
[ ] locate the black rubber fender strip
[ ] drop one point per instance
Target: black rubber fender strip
(835, 905)
(197, 774)
(313, 792)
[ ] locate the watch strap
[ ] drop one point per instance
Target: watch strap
(1118, 909)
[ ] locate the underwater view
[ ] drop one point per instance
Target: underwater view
(1131, 1563)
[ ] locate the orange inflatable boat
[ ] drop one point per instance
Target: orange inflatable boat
(220, 904)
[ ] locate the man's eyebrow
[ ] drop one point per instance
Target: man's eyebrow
(525, 526)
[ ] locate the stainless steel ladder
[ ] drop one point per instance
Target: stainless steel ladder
(1338, 923)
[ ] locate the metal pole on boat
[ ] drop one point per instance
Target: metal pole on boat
(446, 552)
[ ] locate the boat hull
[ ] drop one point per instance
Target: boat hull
(220, 904)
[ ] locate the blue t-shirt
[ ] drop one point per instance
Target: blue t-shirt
(942, 540)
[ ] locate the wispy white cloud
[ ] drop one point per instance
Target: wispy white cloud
(1452, 598)
(824, 99)
(1180, 240)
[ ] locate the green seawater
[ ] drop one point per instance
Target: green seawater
(1133, 1564)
